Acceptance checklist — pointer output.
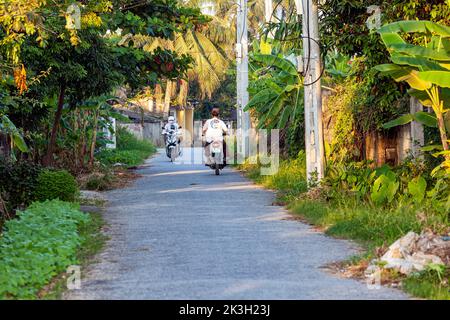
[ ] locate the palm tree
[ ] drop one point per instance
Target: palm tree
(210, 62)
(212, 48)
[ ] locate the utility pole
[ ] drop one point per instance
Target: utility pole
(268, 11)
(243, 118)
(315, 157)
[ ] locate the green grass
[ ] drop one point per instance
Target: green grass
(37, 246)
(130, 151)
(93, 243)
(290, 179)
(429, 285)
(370, 226)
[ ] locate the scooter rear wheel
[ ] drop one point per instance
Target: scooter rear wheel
(217, 170)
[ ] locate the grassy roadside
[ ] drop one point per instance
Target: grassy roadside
(48, 236)
(115, 174)
(130, 151)
(93, 242)
(113, 165)
(374, 228)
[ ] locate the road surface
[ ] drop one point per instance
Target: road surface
(180, 232)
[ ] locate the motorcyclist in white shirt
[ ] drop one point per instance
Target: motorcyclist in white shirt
(214, 129)
(172, 138)
(171, 125)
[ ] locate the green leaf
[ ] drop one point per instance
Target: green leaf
(414, 26)
(414, 50)
(422, 64)
(20, 143)
(417, 188)
(440, 78)
(431, 148)
(278, 62)
(426, 118)
(391, 38)
(284, 117)
(262, 97)
(407, 118)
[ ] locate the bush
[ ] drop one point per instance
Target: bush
(38, 246)
(58, 184)
(18, 182)
(99, 181)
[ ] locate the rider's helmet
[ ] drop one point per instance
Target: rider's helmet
(171, 119)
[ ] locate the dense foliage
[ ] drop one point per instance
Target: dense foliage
(18, 183)
(54, 63)
(57, 184)
(37, 246)
(371, 73)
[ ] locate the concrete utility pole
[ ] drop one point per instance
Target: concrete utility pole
(268, 11)
(243, 118)
(315, 158)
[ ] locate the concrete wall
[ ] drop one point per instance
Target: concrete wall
(391, 146)
(150, 131)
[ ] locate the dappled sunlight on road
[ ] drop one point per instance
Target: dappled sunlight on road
(176, 173)
(208, 188)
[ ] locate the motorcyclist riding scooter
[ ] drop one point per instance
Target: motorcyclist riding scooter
(171, 134)
(214, 130)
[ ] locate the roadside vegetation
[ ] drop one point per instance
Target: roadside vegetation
(130, 151)
(59, 75)
(41, 243)
(349, 205)
(372, 74)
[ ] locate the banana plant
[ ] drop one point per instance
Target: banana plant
(425, 67)
(8, 128)
(276, 90)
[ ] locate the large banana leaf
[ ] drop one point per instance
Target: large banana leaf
(413, 26)
(277, 103)
(262, 97)
(440, 78)
(7, 127)
(405, 73)
(419, 51)
(422, 64)
(276, 61)
(425, 118)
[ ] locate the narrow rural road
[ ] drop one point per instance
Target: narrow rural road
(180, 232)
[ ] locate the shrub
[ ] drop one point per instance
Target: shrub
(99, 182)
(58, 184)
(38, 246)
(18, 182)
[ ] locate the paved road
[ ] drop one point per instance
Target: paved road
(180, 232)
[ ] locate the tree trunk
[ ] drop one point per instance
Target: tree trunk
(167, 96)
(94, 140)
(76, 119)
(83, 138)
(48, 159)
(443, 133)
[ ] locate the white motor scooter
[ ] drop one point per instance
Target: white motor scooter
(173, 148)
(217, 155)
